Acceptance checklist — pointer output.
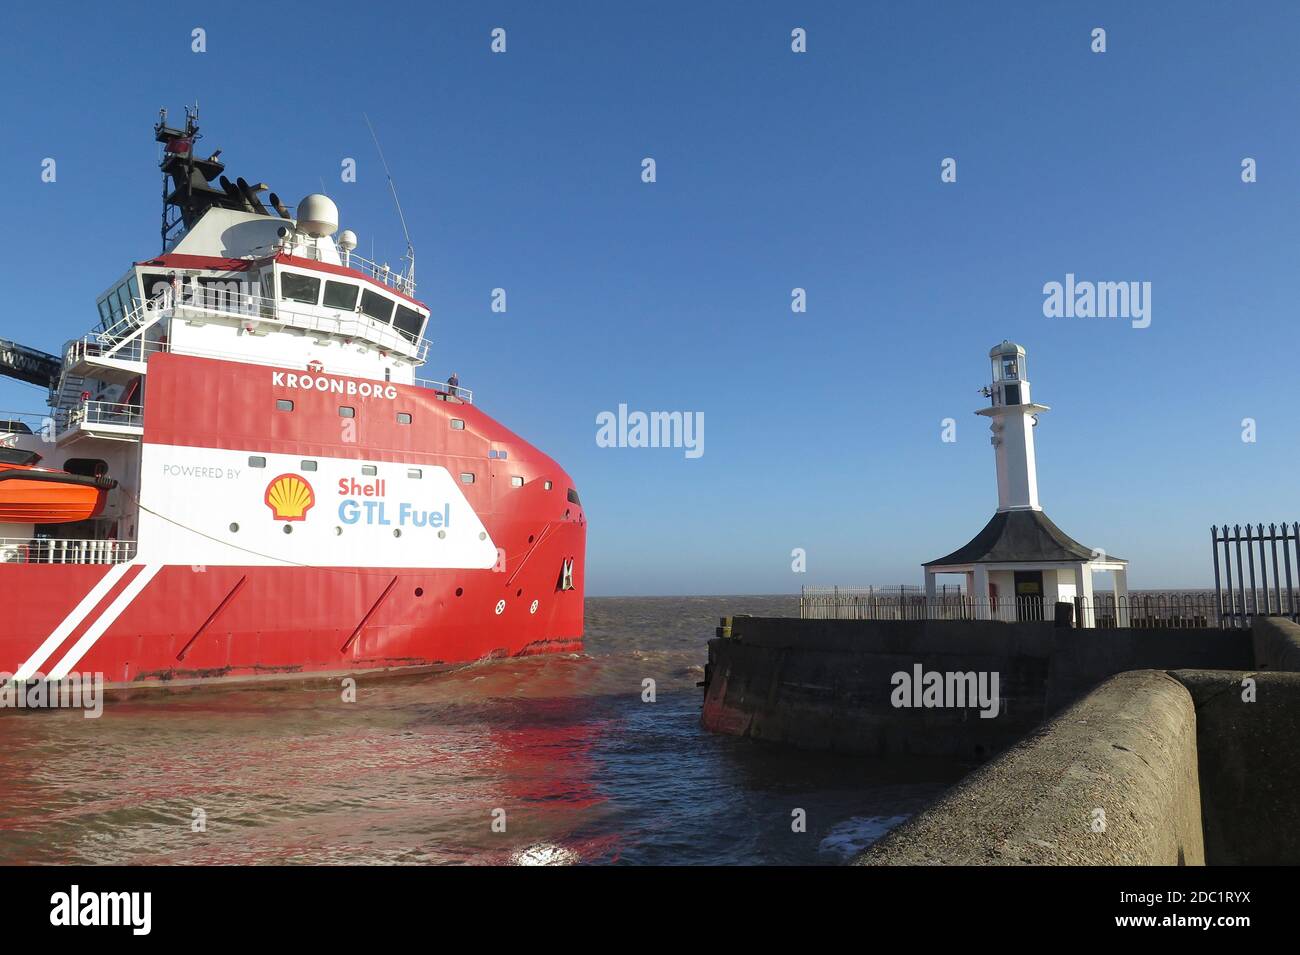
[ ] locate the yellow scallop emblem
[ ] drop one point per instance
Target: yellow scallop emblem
(290, 497)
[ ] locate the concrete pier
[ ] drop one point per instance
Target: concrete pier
(826, 684)
(1151, 768)
(1114, 779)
(1187, 753)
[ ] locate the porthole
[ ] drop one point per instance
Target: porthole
(459, 591)
(533, 608)
(482, 535)
(530, 538)
(234, 528)
(419, 591)
(519, 593)
(442, 535)
(501, 606)
(397, 532)
(288, 528)
(338, 532)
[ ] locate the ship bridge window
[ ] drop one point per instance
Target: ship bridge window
(299, 288)
(155, 283)
(341, 295)
(256, 461)
(466, 477)
(283, 404)
(414, 473)
(369, 470)
(124, 305)
(403, 418)
(517, 481)
(547, 485)
(111, 305)
(457, 424)
(347, 412)
(307, 465)
(377, 306)
(573, 497)
(408, 322)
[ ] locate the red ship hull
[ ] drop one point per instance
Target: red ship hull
(226, 623)
(154, 619)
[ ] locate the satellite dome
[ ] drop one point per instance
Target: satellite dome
(347, 240)
(318, 216)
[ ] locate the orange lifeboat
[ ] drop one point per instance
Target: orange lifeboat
(34, 495)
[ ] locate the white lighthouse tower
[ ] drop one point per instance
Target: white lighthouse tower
(1021, 563)
(1014, 416)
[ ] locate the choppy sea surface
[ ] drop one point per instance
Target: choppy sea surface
(563, 750)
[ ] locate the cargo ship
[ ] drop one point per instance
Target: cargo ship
(241, 475)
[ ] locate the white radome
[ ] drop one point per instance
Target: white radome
(318, 216)
(347, 240)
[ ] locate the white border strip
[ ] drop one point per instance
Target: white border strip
(72, 621)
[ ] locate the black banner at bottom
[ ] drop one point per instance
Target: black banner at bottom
(255, 904)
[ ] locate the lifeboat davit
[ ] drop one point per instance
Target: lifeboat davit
(36, 495)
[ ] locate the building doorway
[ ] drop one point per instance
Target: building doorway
(1029, 594)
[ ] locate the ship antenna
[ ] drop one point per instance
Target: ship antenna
(392, 187)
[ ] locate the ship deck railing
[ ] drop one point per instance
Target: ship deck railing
(139, 349)
(39, 425)
(127, 339)
(89, 413)
(65, 551)
(451, 391)
(254, 310)
(397, 279)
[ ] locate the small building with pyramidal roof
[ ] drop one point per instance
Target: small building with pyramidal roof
(1021, 564)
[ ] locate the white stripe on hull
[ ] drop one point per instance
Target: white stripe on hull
(71, 621)
(91, 636)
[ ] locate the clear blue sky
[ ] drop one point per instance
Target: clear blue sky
(775, 170)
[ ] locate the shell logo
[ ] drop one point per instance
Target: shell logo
(290, 497)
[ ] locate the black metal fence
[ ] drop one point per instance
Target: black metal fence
(1250, 555)
(1155, 609)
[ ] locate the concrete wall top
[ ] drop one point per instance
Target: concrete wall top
(1127, 749)
(979, 637)
(1277, 643)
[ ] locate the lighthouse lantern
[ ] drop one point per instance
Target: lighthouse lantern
(1010, 380)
